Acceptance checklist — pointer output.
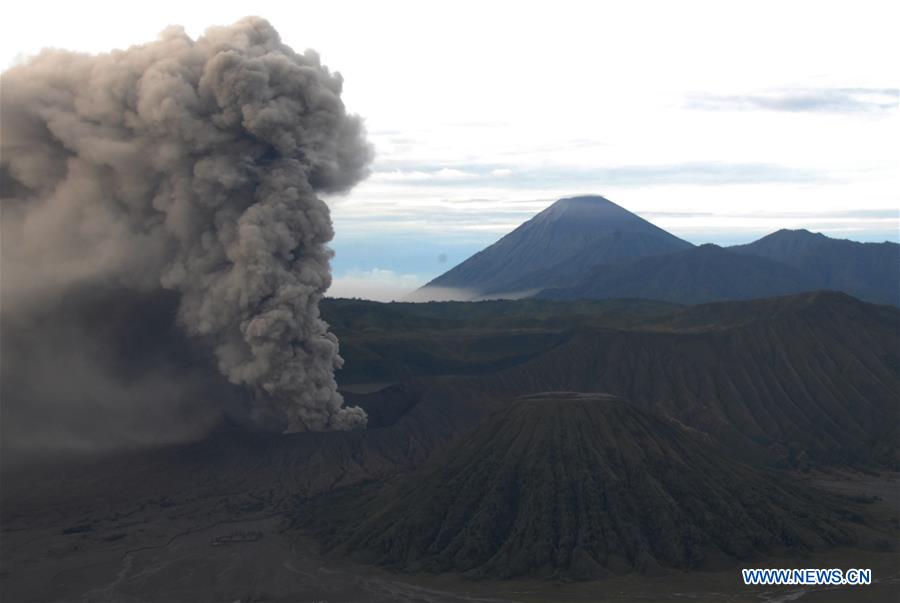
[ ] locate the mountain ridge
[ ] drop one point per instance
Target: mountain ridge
(700, 274)
(587, 247)
(870, 271)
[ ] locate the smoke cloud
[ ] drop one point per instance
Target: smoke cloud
(179, 178)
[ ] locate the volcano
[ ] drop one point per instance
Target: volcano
(558, 246)
(575, 485)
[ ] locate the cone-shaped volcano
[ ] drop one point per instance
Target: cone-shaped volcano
(559, 245)
(576, 485)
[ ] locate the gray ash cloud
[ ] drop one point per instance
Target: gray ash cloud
(183, 168)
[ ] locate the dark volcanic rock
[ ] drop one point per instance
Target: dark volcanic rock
(812, 376)
(575, 485)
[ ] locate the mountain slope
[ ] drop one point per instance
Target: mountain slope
(557, 245)
(809, 378)
(579, 486)
(869, 271)
(387, 343)
(814, 376)
(697, 275)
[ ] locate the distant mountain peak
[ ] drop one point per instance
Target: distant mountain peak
(592, 207)
(869, 271)
(799, 233)
(585, 201)
(557, 246)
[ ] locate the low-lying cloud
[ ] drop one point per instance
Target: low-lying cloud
(377, 284)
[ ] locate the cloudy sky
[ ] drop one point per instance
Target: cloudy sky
(719, 121)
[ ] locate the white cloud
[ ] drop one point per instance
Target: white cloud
(453, 123)
(451, 174)
(401, 176)
(444, 174)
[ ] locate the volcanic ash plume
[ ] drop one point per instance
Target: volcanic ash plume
(193, 167)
